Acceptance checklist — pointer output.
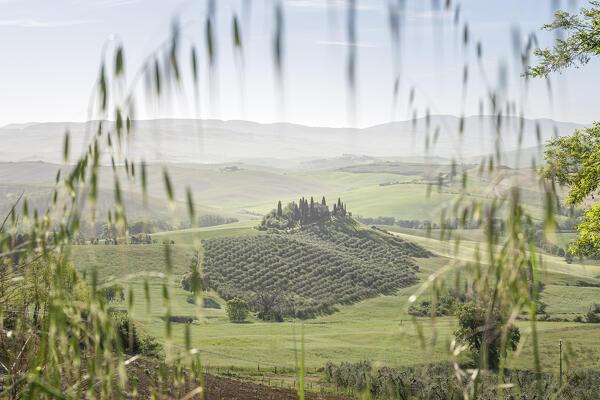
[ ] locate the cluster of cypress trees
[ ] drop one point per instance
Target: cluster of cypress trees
(303, 213)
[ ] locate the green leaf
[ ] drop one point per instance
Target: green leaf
(209, 42)
(66, 147)
(144, 179)
(119, 64)
(119, 123)
(237, 41)
(168, 186)
(190, 204)
(103, 89)
(157, 77)
(194, 58)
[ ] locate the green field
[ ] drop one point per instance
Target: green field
(378, 329)
(191, 236)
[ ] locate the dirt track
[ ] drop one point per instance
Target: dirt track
(215, 387)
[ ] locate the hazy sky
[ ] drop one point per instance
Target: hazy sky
(51, 50)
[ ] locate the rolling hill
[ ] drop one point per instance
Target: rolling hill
(213, 141)
(306, 272)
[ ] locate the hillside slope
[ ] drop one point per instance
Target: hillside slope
(308, 271)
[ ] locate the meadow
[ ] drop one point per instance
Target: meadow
(378, 329)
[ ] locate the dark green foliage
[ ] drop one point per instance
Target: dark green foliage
(214, 220)
(438, 381)
(132, 340)
(180, 319)
(207, 302)
(445, 305)
(237, 310)
(573, 161)
(114, 293)
(303, 213)
(140, 238)
(578, 48)
(480, 328)
(309, 271)
(192, 280)
(593, 314)
(187, 281)
(141, 227)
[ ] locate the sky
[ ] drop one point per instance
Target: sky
(51, 52)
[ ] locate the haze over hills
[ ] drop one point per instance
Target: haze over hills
(283, 144)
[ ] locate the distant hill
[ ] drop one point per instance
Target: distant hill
(213, 141)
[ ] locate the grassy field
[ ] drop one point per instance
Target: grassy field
(190, 236)
(233, 192)
(377, 329)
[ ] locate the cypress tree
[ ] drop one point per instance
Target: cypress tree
(323, 202)
(279, 210)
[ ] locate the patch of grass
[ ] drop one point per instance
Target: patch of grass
(126, 262)
(569, 300)
(378, 329)
(188, 236)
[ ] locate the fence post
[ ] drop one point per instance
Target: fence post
(560, 366)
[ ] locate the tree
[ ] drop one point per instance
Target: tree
(237, 310)
(478, 328)
(267, 302)
(192, 280)
(114, 293)
(279, 209)
(573, 161)
(583, 41)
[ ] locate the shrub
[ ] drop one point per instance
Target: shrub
(187, 282)
(476, 327)
(592, 316)
(114, 293)
(237, 310)
(438, 381)
(133, 340)
(180, 319)
(207, 302)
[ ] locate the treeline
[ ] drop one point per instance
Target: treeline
(103, 230)
(303, 213)
(456, 223)
(536, 230)
(418, 224)
(214, 220)
(438, 381)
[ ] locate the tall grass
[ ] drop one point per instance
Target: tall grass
(58, 335)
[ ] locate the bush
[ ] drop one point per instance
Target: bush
(214, 220)
(476, 327)
(446, 305)
(592, 316)
(237, 310)
(207, 302)
(114, 293)
(132, 340)
(187, 282)
(438, 381)
(181, 319)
